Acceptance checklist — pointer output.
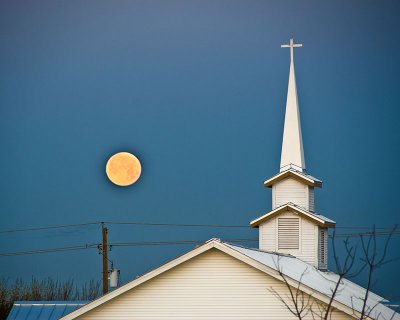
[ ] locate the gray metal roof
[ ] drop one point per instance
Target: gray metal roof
(320, 216)
(302, 173)
(324, 218)
(43, 310)
(349, 293)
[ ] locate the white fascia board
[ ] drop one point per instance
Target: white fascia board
(314, 217)
(307, 178)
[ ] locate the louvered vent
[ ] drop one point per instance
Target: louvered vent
(288, 233)
(311, 205)
(323, 249)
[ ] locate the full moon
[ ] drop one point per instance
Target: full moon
(123, 169)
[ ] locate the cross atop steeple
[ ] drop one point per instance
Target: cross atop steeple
(292, 145)
(291, 45)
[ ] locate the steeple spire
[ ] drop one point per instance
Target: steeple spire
(293, 227)
(292, 155)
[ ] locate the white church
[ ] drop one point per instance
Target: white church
(219, 280)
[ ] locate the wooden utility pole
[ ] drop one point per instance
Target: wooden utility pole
(104, 250)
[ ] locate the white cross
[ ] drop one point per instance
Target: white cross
(291, 45)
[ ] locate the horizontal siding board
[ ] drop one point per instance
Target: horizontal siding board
(212, 285)
(268, 235)
(290, 190)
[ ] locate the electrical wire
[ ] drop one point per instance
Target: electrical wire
(366, 228)
(376, 233)
(174, 224)
(226, 226)
(165, 243)
(49, 227)
(116, 244)
(163, 225)
(39, 251)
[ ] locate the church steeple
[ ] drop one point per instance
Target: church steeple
(292, 155)
(293, 227)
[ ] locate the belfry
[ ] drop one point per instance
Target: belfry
(293, 227)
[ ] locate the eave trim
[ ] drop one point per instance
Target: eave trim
(289, 206)
(294, 174)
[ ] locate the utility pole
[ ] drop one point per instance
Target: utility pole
(104, 249)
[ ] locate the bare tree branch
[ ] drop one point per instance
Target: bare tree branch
(301, 304)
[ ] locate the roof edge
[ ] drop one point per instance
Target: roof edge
(210, 244)
(312, 216)
(307, 179)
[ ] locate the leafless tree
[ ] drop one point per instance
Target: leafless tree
(296, 301)
(372, 261)
(344, 270)
(89, 291)
(301, 304)
(47, 289)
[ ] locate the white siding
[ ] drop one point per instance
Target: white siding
(273, 197)
(212, 285)
(308, 238)
(267, 231)
(309, 242)
(290, 190)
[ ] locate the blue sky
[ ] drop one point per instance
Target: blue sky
(196, 90)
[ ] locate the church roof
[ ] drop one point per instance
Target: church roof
(317, 218)
(298, 273)
(302, 176)
(349, 293)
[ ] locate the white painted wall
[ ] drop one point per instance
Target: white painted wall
(308, 251)
(212, 285)
(268, 237)
(290, 190)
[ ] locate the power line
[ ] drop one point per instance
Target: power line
(116, 244)
(123, 223)
(39, 251)
(356, 234)
(165, 243)
(140, 223)
(225, 226)
(366, 228)
(174, 224)
(49, 227)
